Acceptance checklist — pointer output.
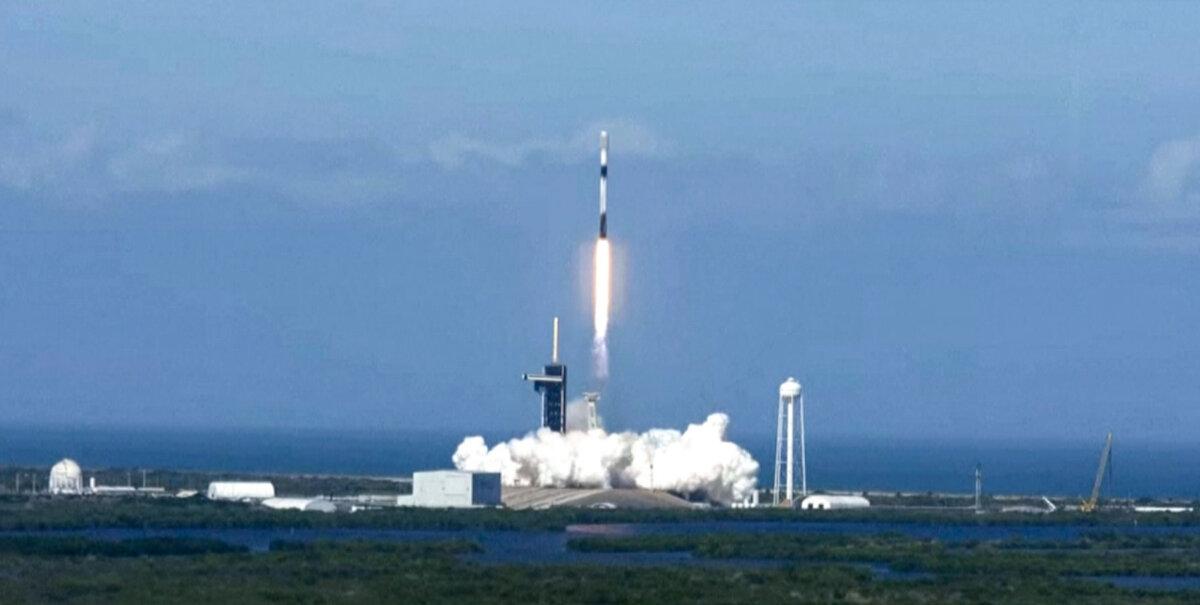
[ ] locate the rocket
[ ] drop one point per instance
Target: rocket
(603, 184)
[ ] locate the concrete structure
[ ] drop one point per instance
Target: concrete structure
(830, 502)
(552, 384)
(453, 489)
(240, 490)
(66, 478)
(785, 472)
(305, 504)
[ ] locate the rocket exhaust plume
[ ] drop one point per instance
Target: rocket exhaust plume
(602, 289)
(698, 461)
(602, 267)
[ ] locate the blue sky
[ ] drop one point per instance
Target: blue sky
(947, 219)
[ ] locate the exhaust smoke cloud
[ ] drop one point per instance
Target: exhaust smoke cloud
(699, 461)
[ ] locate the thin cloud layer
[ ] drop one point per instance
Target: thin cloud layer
(1172, 182)
(636, 140)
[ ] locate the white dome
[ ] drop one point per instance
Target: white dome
(66, 477)
(66, 468)
(789, 388)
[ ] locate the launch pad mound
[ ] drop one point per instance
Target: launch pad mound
(523, 498)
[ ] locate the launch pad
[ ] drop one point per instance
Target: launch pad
(551, 384)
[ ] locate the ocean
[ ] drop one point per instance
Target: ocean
(1138, 470)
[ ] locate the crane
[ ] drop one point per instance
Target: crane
(1089, 505)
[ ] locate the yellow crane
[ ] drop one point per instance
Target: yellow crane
(1089, 505)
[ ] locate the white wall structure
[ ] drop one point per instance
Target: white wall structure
(828, 502)
(66, 478)
(305, 504)
(453, 489)
(240, 490)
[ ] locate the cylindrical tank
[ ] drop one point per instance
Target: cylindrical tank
(789, 388)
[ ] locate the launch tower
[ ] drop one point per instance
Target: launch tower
(552, 384)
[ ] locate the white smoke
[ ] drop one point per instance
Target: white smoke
(600, 358)
(577, 415)
(698, 461)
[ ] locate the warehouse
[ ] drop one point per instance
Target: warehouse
(304, 504)
(453, 489)
(829, 502)
(240, 490)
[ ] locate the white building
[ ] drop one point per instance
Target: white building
(453, 489)
(305, 504)
(66, 478)
(829, 502)
(240, 490)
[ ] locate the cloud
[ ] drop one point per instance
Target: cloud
(1171, 188)
(634, 139)
(1158, 211)
(90, 166)
(82, 165)
(171, 164)
(30, 161)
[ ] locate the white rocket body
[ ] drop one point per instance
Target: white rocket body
(603, 184)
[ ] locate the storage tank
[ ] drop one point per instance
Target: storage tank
(66, 478)
(240, 490)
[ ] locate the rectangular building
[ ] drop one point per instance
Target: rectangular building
(453, 489)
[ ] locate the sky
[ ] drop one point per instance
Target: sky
(947, 220)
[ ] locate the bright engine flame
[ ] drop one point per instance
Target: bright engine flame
(602, 291)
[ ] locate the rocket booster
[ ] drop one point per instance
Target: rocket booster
(603, 184)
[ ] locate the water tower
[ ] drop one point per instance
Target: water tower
(790, 394)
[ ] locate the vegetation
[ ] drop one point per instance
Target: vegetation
(1099, 555)
(43, 513)
(77, 546)
(436, 572)
(723, 567)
